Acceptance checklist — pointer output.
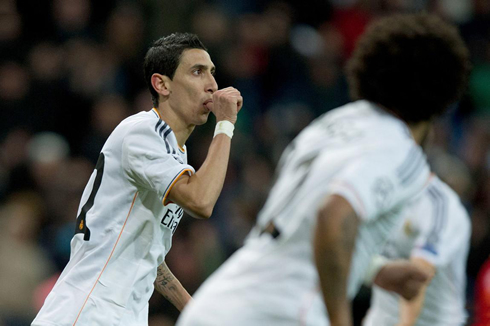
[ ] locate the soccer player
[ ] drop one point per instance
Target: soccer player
(341, 184)
(139, 189)
(435, 236)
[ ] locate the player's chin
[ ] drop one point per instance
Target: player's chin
(203, 118)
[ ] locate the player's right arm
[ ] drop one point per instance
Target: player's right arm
(197, 194)
(334, 241)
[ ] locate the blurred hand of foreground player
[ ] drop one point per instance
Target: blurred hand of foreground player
(226, 104)
(402, 277)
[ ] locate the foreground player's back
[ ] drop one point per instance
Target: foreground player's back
(341, 183)
(357, 151)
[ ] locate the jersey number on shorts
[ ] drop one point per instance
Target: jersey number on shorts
(81, 226)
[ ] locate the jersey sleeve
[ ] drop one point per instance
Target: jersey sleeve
(443, 226)
(379, 182)
(148, 161)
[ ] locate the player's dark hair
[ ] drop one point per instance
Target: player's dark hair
(164, 55)
(414, 65)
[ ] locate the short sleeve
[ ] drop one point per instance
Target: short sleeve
(377, 183)
(443, 226)
(148, 162)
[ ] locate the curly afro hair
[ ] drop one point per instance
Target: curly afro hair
(414, 65)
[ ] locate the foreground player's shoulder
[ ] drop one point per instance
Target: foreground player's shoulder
(401, 161)
(440, 193)
(381, 180)
(344, 115)
(440, 186)
(410, 164)
(438, 210)
(345, 127)
(409, 171)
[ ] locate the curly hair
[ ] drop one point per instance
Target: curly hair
(164, 55)
(414, 65)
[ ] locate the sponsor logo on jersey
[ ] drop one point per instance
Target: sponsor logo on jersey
(172, 218)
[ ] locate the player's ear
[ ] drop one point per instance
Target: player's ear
(161, 84)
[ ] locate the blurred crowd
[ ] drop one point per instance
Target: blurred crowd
(71, 70)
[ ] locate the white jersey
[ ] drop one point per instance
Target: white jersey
(437, 229)
(357, 151)
(123, 230)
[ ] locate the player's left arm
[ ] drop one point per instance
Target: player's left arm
(334, 240)
(410, 309)
(400, 276)
(170, 287)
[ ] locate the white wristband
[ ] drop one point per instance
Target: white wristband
(224, 127)
(377, 262)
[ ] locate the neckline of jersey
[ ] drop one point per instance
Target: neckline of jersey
(182, 150)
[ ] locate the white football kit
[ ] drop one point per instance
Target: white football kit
(123, 230)
(436, 228)
(357, 151)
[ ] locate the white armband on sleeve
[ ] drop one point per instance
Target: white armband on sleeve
(377, 262)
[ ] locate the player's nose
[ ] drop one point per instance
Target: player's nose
(211, 86)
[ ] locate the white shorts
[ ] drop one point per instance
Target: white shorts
(233, 297)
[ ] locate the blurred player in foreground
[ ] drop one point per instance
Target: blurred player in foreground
(135, 198)
(435, 235)
(341, 184)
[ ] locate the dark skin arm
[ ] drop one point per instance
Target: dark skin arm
(402, 277)
(334, 241)
(169, 286)
(411, 309)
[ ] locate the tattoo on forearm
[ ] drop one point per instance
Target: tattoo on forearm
(165, 282)
(169, 286)
(164, 276)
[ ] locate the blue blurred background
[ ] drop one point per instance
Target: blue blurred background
(71, 70)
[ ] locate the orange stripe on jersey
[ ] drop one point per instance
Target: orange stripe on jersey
(175, 180)
(108, 259)
(154, 109)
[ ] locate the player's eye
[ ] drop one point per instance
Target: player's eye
(197, 72)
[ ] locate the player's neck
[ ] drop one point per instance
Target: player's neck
(181, 130)
(420, 131)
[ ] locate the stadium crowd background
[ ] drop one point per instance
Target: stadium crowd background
(71, 70)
